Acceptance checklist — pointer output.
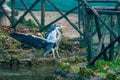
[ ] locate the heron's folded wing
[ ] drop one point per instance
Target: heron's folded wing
(31, 40)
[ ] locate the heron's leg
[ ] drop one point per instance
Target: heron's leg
(48, 49)
(57, 51)
(46, 52)
(53, 52)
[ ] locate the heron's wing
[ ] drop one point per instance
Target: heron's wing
(31, 40)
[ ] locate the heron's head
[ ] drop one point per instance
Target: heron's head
(55, 26)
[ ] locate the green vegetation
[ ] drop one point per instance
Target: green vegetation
(7, 43)
(103, 66)
(110, 70)
(74, 64)
(8, 47)
(28, 23)
(85, 73)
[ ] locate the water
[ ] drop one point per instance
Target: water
(45, 72)
(63, 5)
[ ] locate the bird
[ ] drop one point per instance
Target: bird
(49, 44)
(54, 36)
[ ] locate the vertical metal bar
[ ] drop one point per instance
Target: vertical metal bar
(79, 14)
(13, 11)
(79, 17)
(84, 20)
(118, 18)
(111, 51)
(89, 36)
(42, 14)
(87, 32)
(118, 22)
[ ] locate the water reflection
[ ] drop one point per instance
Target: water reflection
(45, 72)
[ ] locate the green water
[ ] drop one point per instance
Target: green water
(45, 72)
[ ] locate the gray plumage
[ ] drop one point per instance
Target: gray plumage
(49, 44)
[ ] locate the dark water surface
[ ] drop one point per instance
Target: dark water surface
(45, 72)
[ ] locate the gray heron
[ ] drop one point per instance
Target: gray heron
(49, 44)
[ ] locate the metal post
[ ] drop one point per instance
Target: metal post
(42, 13)
(13, 12)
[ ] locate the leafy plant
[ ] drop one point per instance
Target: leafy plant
(28, 23)
(85, 73)
(107, 68)
(8, 43)
(64, 66)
